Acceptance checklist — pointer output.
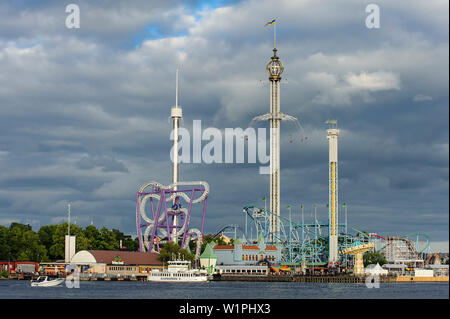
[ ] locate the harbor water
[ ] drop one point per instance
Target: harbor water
(21, 289)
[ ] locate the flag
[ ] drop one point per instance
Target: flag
(264, 198)
(344, 205)
(288, 206)
(270, 23)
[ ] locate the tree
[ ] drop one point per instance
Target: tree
(131, 244)
(373, 258)
(45, 234)
(5, 249)
(93, 236)
(107, 240)
(171, 251)
(33, 249)
(19, 242)
(24, 244)
(57, 248)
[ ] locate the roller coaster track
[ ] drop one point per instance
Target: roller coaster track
(159, 221)
(229, 227)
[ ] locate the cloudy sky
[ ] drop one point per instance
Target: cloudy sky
(84, 112)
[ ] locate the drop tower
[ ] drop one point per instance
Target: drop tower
(332, 136)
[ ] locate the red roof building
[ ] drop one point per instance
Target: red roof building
(111, 257)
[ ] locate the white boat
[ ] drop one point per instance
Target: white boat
(43, 281)
(178, 271)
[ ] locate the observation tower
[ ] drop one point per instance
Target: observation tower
(176, 113)
(274, 69)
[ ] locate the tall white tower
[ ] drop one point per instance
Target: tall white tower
(332, 136)
(176, 113)
(70, 241)
(274, 69)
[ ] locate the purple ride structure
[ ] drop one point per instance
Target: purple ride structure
(166, 222)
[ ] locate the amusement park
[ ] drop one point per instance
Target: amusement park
(186, 156)
(332, 246)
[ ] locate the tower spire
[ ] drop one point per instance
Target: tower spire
(274, 37)
(176, 114)
(176, 90)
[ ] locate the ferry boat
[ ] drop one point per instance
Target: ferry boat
(178, 271)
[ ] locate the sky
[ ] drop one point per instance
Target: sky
(84, 111)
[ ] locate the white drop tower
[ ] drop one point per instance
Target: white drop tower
(332, 136)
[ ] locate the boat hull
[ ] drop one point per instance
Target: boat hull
(50, 283)
(177, 279)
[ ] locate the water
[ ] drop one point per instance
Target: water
(21, 289)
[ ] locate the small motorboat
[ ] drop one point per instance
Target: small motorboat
(44, 281)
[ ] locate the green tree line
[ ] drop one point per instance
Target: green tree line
(19, 242)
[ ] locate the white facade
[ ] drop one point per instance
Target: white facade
(84, 257)
(243, 270)
(423, 272)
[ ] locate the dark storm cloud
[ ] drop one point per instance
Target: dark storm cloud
(84, 113)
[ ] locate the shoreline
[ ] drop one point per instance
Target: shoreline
(291, 278)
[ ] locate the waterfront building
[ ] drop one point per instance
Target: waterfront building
(395, 269)
(439, 270)
(420, 272)
(13, 267)
(242, 254)
(118, 264)
(243, 270)
(57, 268)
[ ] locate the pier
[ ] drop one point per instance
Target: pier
(326, 279)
